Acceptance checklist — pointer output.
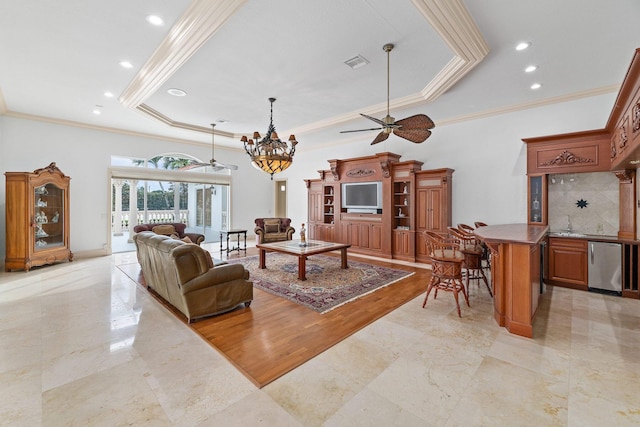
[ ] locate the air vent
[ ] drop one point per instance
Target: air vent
(356, 62)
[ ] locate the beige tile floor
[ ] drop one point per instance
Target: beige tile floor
(82, 345)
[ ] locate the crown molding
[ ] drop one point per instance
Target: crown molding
(443, 122)
(82, 125)
(449, 18)
(528, 105)
(166, 120)
(201, 20)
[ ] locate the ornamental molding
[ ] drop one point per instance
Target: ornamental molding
(624, 176)
(636, 116)
(386, 170)
(360, 173)
(622, 133)
(52, 168)
(335, 172)
(567, 158)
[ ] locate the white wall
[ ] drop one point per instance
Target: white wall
(489, 158)
(85, 156)
(488, 155)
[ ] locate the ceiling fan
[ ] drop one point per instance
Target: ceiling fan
(215, 165)
(414, 128)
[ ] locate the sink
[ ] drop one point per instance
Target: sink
(569, 234)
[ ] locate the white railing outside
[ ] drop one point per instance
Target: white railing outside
(153, 217)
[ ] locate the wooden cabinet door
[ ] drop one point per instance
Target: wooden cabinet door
(568, 262)
(315, 207)
(312, 232)
(429, 206)
(434, 210)
(401, 243)
(375, 237)
(329, 233)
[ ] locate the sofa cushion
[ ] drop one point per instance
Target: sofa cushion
(165, 230)
(271, 228)
(274, 237)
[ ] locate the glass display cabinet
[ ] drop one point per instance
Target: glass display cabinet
(537, 199)
(37, 218)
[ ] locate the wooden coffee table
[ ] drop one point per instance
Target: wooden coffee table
(293, 247)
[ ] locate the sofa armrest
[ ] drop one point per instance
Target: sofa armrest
(259, 232)
(195, 237)
(216, 276)
(290, 230)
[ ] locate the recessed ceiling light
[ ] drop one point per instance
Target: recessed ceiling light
(530, 69)
(536, 86)
(108, 94)
(126, 64)
(522, 46)
(155, 20)
(223, 121)
(176, 92)
(96, 111)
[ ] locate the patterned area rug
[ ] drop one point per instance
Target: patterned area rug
(327, 286)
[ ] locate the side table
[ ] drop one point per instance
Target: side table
(238, 248)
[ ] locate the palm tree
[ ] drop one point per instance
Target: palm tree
(166, 162)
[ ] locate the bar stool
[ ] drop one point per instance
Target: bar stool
(465, 227)
(472, 251)
(446, 268)
(486, 255)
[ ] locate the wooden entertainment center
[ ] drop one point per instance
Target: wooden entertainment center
(412, 201)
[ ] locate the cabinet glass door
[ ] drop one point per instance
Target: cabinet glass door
(537, 199)
(48, 218)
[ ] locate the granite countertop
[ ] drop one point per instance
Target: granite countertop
(591, 237)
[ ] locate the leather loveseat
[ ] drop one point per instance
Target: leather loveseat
(184, 275)
(166, 230)
(273, 230)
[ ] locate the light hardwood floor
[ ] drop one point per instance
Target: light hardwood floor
(275, 335)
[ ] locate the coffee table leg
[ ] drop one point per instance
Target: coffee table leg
(343, 257)
(262, 263)
(302, 267)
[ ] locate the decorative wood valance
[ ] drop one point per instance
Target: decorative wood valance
(360, 173)
(567, 158)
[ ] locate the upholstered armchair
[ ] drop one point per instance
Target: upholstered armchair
(273, 230)
(172, 229)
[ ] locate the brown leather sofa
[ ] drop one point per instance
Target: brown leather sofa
(165, 229)
(184, 275)
(273, 230)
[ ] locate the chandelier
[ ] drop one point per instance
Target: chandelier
(270, 154)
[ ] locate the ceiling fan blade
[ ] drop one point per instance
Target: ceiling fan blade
(413, 135)
(224, 166)
(419, 121)
(380, 122)
(381, 137)
(359, 130)
(192, 165)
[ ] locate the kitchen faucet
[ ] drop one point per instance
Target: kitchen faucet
(569, 227)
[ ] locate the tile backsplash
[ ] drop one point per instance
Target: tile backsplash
(598, 194)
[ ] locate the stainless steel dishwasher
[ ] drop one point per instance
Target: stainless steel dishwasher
(605, 267)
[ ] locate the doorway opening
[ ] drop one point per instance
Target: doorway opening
(142, 195)
(280, 192)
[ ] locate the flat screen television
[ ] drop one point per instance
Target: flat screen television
(365, 197)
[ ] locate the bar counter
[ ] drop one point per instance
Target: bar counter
(515, 271)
